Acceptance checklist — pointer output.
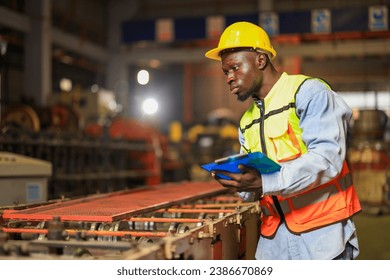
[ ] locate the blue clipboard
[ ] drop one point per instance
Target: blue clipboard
(256, 160)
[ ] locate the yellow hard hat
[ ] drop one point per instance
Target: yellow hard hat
(242, 34)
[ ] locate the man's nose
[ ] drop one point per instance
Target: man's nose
(229, 78)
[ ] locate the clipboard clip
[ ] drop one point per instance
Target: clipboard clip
(230, 158)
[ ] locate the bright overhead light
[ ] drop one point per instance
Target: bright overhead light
(150, 106)
(65, 84)
(94, 88)
(143, 77)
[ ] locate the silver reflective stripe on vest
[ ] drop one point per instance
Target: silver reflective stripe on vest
(321, 194)
(265, 211)
(315, 196)
(345, 181)
(285, 207)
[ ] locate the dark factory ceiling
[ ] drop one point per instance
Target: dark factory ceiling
(88, 31)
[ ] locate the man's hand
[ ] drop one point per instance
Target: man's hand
(249, 180)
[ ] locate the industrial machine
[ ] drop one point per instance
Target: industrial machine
(215, 138)
(101, 157)
(23, 180)
(186, 220)
(369, 160)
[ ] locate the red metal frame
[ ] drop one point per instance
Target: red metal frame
(122, 205)
(121, 233)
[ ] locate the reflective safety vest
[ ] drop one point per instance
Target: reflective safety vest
(271, 126)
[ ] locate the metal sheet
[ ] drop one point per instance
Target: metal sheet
(118, 206)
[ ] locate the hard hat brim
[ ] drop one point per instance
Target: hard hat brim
(214, 53)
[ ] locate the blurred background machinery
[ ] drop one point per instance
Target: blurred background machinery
(214, 138)
(101, 157)
(369, 159)
(109, 152)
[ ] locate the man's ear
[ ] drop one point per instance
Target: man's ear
(262, 61)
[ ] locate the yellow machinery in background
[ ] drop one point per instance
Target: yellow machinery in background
(215, 138)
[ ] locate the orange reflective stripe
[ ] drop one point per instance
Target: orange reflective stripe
(295, 143)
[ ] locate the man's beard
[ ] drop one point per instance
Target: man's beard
(249, 93)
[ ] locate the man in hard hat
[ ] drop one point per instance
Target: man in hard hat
(300, 123)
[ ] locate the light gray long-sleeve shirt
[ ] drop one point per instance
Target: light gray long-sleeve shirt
(324, 118)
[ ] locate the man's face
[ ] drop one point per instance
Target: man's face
(242, 73)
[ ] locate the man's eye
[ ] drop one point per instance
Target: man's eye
(235, 68)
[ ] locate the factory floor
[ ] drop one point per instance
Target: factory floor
(374, 235)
